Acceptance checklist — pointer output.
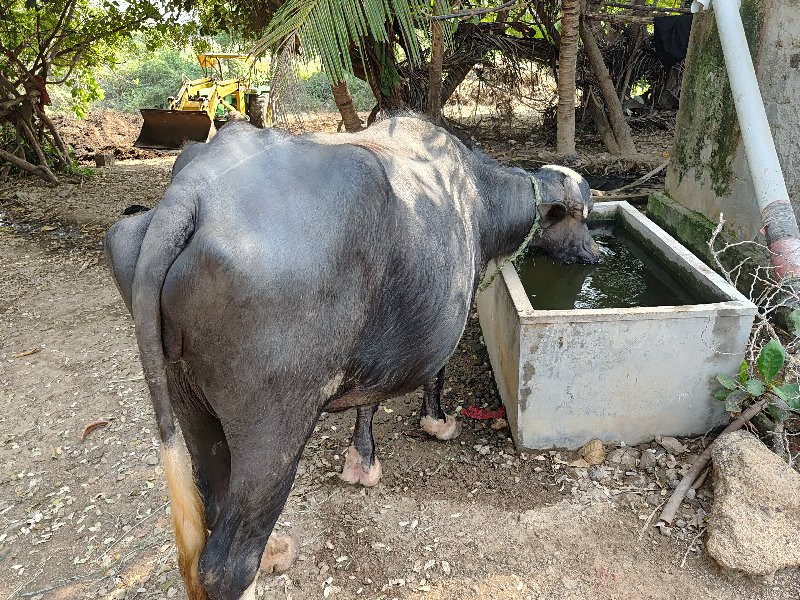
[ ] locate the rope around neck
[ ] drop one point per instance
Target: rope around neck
(537, 200)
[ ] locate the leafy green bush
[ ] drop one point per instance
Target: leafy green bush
(754, 381)
(147, 79)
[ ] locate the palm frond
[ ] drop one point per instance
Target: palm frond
(328, 28)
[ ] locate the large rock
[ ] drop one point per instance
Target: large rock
(755, 521)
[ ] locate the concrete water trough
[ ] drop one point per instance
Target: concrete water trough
(617, 374)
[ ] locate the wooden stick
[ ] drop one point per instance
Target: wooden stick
(668, 514)
(646, 8)
(691, 545)
(602, 197)
(466, 14)
(618, 18)
(639, 181)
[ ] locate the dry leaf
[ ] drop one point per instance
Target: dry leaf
(92, 426)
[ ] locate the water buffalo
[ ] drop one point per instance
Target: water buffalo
(284, 276)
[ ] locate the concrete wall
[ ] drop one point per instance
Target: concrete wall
(708, 170)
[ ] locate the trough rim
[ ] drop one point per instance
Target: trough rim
(736, 305)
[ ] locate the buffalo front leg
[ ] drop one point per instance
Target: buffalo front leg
(432, 418)
(360, 464)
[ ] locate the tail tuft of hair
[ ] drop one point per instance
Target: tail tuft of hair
(187, 515)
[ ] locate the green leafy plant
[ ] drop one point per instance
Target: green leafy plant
(76, 170)
(765, 379)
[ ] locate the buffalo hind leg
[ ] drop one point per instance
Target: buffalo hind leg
(197, 488)
(265, 448)
(205, 440)
(360, 464)
(432, 418)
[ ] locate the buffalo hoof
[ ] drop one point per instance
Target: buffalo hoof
(443, 429)
(279, 555)
(355, 471)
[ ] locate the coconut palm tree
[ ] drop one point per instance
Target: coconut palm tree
(567, 59)
(337, 32)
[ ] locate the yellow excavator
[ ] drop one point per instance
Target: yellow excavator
(202, 105)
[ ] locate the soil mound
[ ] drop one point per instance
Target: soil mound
(106, 131)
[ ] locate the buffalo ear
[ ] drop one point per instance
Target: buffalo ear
(552, 212)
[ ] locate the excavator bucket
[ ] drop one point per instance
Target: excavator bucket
(171, 129)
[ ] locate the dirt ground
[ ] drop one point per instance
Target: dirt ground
(467, 519)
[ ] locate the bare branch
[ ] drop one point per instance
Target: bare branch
(38, 170)
(466, 14)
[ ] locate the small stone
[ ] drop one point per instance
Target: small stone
(615, 456)
(597, 473)
(636, 481)
(664, 529)
(653, 499)
(647, 461)
(680, 523)
(691, 493)
(117, 594)
(104, 160)
(445, 567)
(593, 452)
(499, 424)
(629, 458)
(671, 445)
(674, 483)
(152, 459)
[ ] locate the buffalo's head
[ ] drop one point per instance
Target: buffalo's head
(566, 202)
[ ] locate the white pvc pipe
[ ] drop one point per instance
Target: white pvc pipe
(765, 167)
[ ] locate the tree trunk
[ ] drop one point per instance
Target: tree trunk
(434, 106)
(598, 115)
(344, 102)
(622, 132)
(454, 78)
(567, 58)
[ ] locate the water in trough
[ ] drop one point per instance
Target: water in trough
(625, 277)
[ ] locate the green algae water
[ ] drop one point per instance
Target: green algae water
(625, 277)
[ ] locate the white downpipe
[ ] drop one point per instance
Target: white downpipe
(765, 168)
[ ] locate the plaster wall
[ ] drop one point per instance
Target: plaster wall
(708, 170)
